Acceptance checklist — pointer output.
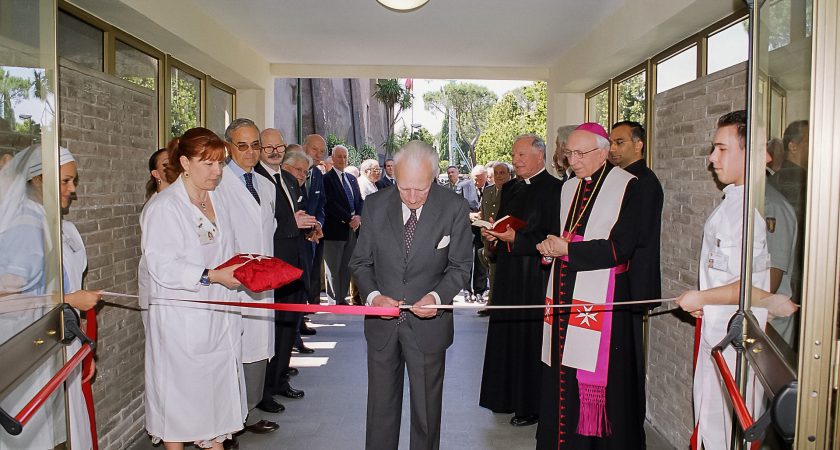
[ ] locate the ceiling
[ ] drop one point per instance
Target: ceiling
(483, 33)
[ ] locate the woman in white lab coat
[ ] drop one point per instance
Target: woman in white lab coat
(156, 183)
(195, 390)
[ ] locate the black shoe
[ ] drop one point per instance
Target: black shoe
(306, 331)
(524, 421)
(291, 392)
(270, 406)
(231, 444)
(291, 372)
(262, 427)
(303, 350)
(306, 318)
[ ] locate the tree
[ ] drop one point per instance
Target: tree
(392, 95)
(520, 111)
(12, 90)
(421, 134)
(472, 104)
(631, 99)
(505, 121)
(443, 146)
(184, 109)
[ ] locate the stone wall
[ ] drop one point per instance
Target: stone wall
(340, 106)
(108, 124)
(684, 122)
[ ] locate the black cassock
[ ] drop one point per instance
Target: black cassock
(559, 410)
(510, 382)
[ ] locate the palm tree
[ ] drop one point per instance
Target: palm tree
(393, 95)
(12, 90)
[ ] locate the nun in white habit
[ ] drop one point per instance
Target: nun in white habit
(195, 391)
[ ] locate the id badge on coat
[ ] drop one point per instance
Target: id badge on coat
(718, 260)
(206, 231)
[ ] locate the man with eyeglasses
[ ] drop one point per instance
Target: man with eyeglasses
(510, 381)
(591, 388)
(292, 225)
(252, 199)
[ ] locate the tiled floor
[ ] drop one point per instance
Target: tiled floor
(332, 414)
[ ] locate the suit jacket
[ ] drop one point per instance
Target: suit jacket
(490, 200)
(287, 234)
(468, 190)
(380, 262)
(384, 182)
(338, 210)
(316, 197)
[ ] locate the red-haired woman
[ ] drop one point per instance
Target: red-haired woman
(194, 386)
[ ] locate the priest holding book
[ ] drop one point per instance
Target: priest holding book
(591, 388)
(511, 379)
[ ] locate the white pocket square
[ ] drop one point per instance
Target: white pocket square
(443, 242)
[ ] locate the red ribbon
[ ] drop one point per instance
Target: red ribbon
(87, 376)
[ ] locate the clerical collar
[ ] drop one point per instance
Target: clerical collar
(589, 178)
(528, 180)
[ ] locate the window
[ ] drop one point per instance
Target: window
(676, 70)
(185, 103)
(598, 109)
(135, 66)
(219, 108)
(728, 47)
(631, 98)
(79, 42)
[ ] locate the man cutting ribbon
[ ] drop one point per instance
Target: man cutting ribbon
(590, 383)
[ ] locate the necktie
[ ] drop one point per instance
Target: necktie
(348, 191)
(479, 191)
(410, 228)
(309, 179)
(249, 183)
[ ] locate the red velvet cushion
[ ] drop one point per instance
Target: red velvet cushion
(261, 273)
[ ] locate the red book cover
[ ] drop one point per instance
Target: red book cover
(501, 225)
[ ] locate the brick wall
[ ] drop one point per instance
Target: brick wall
(684, 122)
(107, 124)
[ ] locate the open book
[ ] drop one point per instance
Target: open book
(500, 225)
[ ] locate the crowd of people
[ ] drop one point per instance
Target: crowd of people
(393, 237)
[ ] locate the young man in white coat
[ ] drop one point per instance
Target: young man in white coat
(252, 201)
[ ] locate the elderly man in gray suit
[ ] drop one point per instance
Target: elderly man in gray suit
(421, 255)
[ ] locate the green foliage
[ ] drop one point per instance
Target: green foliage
(443, 144)
(184, 106)
(392, 95)
(12, 90)
(631, 99)
(354, 156)
(472, 104)
(520, 111)
(505, 121)
(146, 82)
(403, 136)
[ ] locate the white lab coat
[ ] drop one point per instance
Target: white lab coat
(195, 390)
(74, 260)
(253, 233)
(720, 264)
(144, 280)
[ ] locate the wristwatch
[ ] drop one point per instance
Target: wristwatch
(205, 278)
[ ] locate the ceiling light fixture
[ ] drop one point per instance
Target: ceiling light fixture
(403, 5)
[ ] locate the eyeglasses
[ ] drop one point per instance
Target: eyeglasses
(268, 149)
(577, 153)
(243, 147)
(375, 170)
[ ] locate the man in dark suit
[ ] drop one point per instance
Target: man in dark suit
(315, 146)
(388, 178)
(341, 225)
(419, 254)
(292, 222)
(627, 150)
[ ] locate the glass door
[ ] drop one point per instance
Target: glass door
(30, 240)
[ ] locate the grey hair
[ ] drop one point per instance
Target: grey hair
(237, 124)
(291, 157)
(564, 131)
(603, 143)
(417, 152)
(340, 146)
(537, 143)
(477, 169)
(367, 164)
(505, 165)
